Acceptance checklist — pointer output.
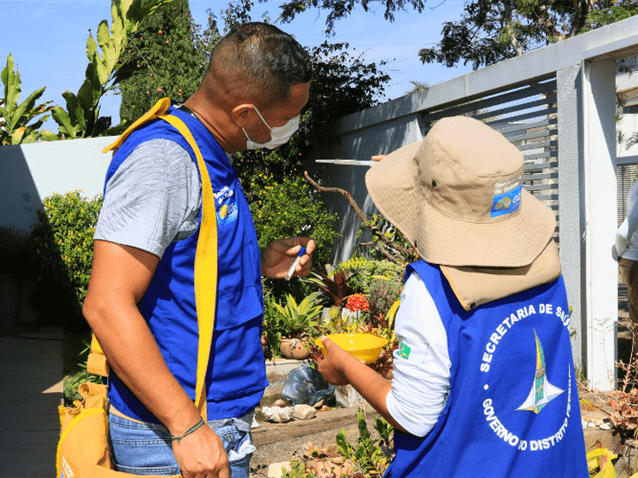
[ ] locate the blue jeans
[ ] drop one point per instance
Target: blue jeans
(145, 448)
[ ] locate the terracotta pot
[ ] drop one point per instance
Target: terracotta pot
(264, 342)
(294, 349)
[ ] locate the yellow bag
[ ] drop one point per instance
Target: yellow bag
(84, 448)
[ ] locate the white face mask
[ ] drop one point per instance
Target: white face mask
(278, 135)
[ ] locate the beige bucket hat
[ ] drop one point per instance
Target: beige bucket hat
(458, 197)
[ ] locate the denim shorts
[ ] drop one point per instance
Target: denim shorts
(145, 448)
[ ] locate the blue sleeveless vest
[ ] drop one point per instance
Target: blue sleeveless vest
(513, 409)
(236, 374)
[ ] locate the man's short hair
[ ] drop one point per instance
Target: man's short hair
(270, 61)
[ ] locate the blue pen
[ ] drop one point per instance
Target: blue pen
(291, 271)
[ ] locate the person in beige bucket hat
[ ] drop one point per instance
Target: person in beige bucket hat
(484, 365)
(459, 203)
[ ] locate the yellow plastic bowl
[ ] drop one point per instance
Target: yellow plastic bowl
(365, 347)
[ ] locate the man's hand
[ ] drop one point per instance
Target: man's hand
(279, 255)
(201, 455)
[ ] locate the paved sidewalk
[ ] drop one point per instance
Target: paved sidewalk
(30, 392)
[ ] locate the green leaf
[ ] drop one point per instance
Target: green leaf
(91, 47)
(87, 98)
(103, 37)
(61, 117)
(76, 109)
(16, 136)
(11, 80)
(31, 137)
(19, 116)
(47, 135)
(344, 447)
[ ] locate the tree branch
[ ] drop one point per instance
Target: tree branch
(379, 243)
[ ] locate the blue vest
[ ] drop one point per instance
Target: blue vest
(513, 409)
(236, 374)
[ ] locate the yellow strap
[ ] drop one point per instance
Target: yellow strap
(205, 255)
(205, 269)
(159, 109)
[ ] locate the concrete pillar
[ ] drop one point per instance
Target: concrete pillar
(570, 197)
(601, 220)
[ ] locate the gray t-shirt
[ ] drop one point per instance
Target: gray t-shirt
(153, 198)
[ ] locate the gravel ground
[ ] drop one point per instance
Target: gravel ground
(285, 450)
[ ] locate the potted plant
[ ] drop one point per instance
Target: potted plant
(292, 324)
(335, 287)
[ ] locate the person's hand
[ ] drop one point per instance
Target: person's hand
(201, 455)
(279, 255)
(331, 367)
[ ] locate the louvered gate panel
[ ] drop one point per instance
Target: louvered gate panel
(626, 174)
(527, 117)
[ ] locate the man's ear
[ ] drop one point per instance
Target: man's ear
(241, 113)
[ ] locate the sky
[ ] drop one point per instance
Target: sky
(47, 40)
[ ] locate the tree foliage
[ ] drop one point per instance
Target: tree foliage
(488, 31)
(81, 118)
(16, 118)
(338, 9)
(167, 57)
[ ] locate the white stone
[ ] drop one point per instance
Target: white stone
(275, 470)
(304, 412)
(277, 414)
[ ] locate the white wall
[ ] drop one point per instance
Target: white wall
(31, 172)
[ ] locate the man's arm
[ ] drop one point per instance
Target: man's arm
(119, 279)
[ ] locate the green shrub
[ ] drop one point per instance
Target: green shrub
(369, 272)
(289, 208)
(62, 255)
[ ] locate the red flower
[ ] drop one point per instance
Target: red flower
(357, 302)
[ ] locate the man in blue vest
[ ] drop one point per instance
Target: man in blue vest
(483, 382)
(141, 298)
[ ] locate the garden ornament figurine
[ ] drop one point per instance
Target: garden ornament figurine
(484, 364)
(141, 301)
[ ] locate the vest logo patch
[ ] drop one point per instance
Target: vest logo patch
(226, 206)
(499, 417)
(404, 350)
(542, 391)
